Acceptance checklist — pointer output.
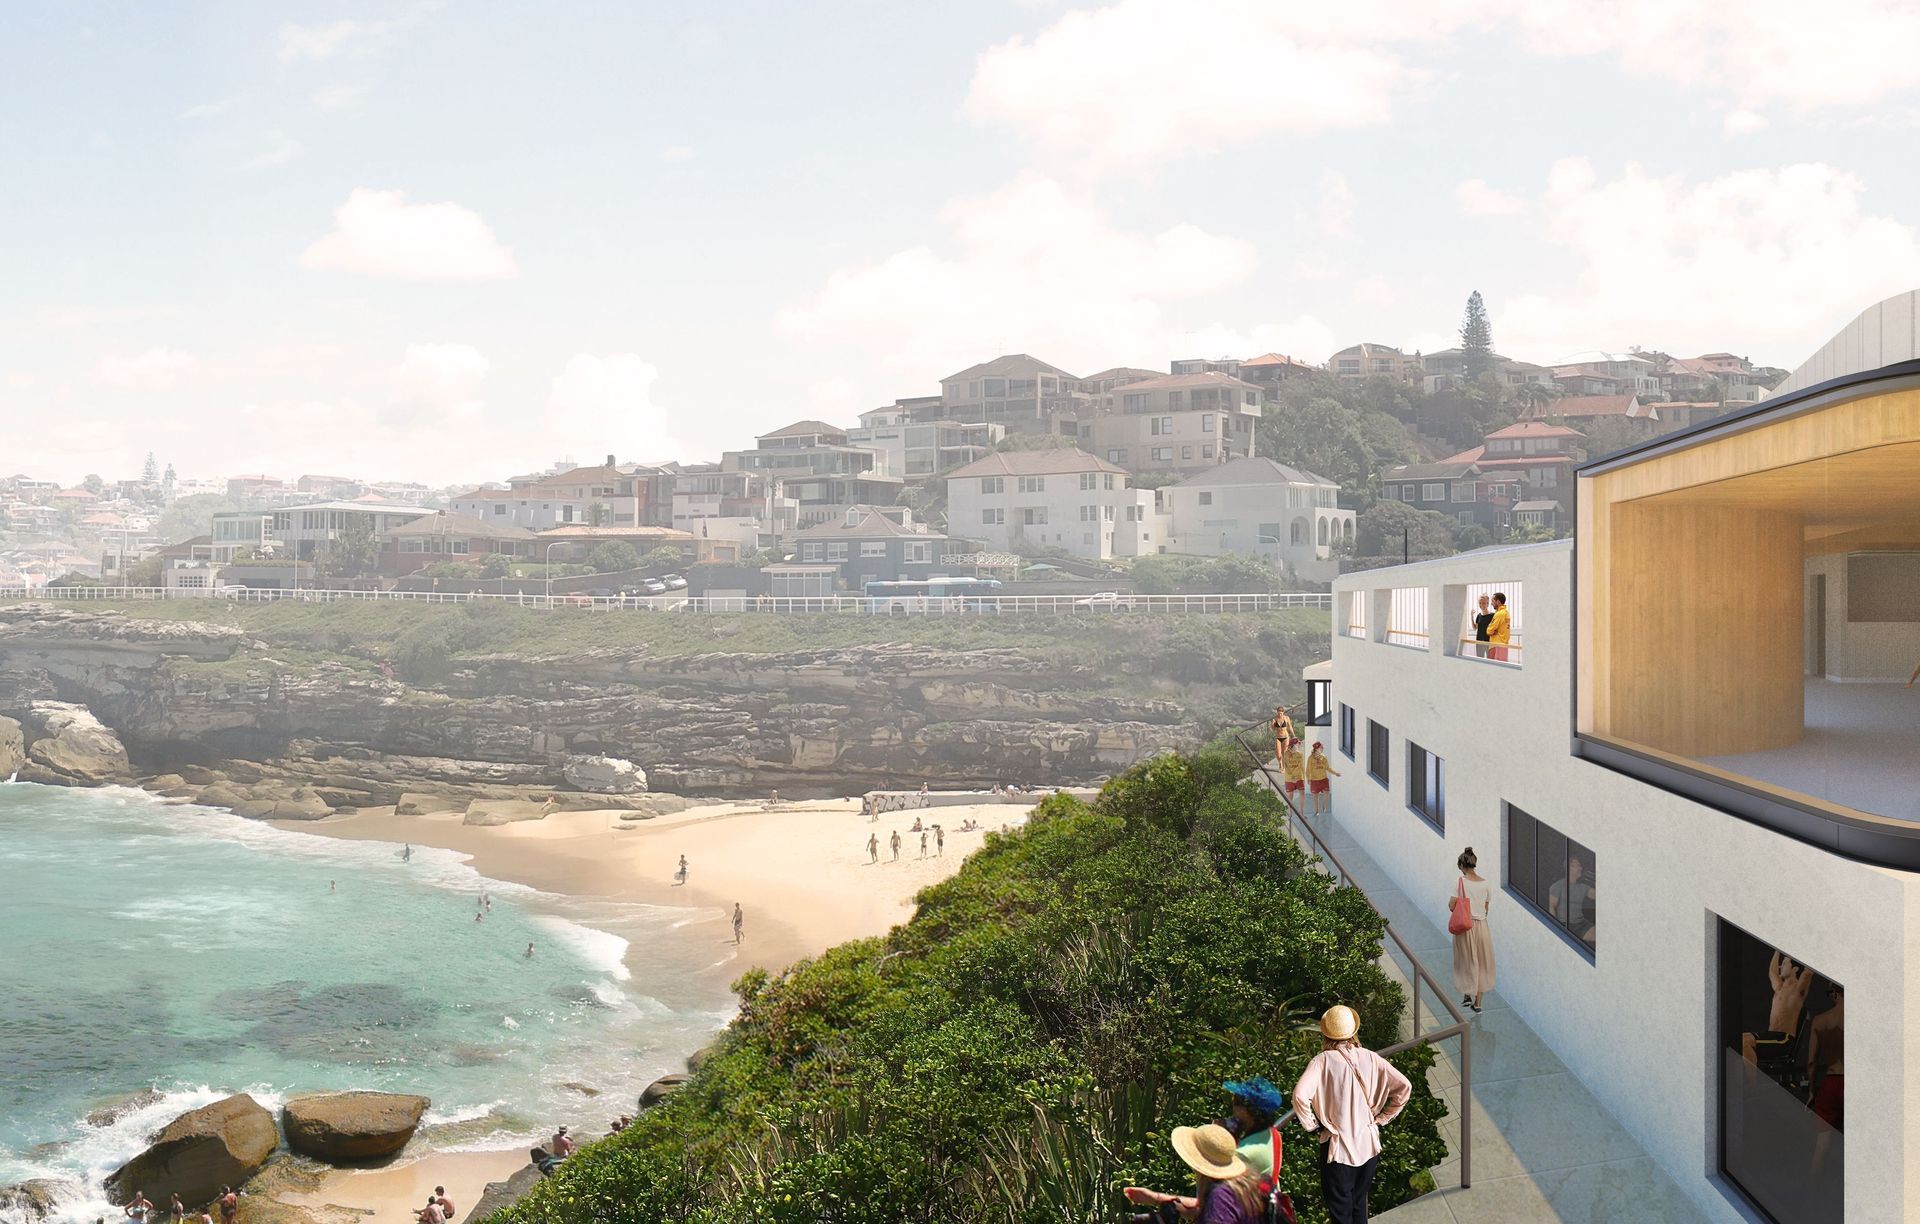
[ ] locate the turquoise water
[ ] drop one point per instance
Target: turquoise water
(189, 951)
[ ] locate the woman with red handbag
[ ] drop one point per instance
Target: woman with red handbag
(1467, 923)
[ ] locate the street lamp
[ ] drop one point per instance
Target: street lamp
(550, 548)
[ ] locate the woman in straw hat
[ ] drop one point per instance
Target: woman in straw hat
(1226, 1191)
(1348, 1093)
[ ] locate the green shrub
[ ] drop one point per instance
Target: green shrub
(1021, 1048)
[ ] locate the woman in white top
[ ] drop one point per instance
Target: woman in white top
(1473, 948)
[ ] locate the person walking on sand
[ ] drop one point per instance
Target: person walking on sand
(1472, 947)
(1319, 769)
(923, 843)
(873, 848)
(895, 843)
(1346, 1094)
(680, 876)
(939, 840)
(739, 921)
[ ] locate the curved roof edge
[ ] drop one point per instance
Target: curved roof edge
(1885, 333)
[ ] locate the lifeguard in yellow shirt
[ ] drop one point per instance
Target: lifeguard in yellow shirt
(1500, 631)
(1319, 769)
(1293, 766)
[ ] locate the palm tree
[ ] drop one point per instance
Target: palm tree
(1538, 396)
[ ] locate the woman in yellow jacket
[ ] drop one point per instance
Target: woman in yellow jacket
(1500, 631)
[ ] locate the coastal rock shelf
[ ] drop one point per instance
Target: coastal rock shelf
(319, 709)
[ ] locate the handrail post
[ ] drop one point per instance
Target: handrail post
(1466, 1109)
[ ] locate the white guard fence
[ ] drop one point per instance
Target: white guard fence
(847, 605)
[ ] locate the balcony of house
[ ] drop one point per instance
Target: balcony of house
(1750, 617)
(1456, 608)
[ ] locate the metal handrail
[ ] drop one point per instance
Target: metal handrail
(1460, 1027)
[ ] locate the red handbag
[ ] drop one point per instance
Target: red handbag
(1279, 1202)
(1460, 921)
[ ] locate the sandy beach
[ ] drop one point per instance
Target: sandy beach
(800, 871)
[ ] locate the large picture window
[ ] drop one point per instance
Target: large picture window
(1379, 752)
(1747, 612)
(1781, 1027)
(1427, 785)
(1556, 876)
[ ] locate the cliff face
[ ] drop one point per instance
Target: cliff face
(836, 718)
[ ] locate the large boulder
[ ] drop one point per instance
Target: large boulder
(121, 1106)
(501, 1195)
(348, 1127)
(76, 745)
(222, 1144)
(662, 1088)
(604, 775)
(13, 748)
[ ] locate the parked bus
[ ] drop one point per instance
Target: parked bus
(932, 595)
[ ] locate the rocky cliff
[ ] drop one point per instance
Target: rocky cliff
(310, 696)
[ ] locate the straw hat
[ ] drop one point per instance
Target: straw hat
(1339, 1023)
(1208, 1150)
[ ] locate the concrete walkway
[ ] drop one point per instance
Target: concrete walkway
(1543, 1149)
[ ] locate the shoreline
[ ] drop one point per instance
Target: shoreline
(800, 870)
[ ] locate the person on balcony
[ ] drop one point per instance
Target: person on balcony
(1283, 733)
(1481, 620)
(1499, 629)
(1293, 767)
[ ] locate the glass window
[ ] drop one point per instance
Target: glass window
(1206, 499)
(1206, 422)
(1780, 1031)
(1379, 754)
(1186, 452)
(873, 548)
(1033, 484)
(1426, 785)
(1089, 480)
(1319, 703)
(1555, 875)
(993, 484)
(1433, 492)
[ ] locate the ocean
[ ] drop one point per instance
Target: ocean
(188, 951)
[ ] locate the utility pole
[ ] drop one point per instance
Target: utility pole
(1406, 544)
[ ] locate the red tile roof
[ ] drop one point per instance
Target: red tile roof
(1535, 429)
(1592, 406)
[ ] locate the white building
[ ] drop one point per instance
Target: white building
(1028, 501)
(1702, 719)
(303, 531)
(1262, 508)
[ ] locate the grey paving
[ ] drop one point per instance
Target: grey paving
(1544, 1149)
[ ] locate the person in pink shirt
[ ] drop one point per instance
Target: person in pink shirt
(1347, 1093)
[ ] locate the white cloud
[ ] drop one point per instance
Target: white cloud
(157, 369)
(377, 233)
(1771, 259)
(1477, 198)
(209, 110)
(1336, 204)
(318, 42)
(1142, 79)
(676, 153)
(1034, 267)
(439, 383)
(1743, 122)
(338, 97)
(1122, 84)
(601, 405)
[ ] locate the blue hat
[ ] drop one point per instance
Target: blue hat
(1259, 1092)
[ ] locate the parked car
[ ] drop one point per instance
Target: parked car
(653, 586)
(675, 582)
(1106, 601)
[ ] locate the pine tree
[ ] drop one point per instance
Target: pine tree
(1476, 338)
(169, 478)
(150, 471)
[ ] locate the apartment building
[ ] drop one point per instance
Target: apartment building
(603, 495)
(1031, 501)
(1579, 409)
(1448, 366)
(1601, 373)
(1230, 366)
(1256, 506)
(1702, 709)
(1018, 392)
(865, 545)
(819, 470)
(1177, 423)
(1269, 370)
(917, 451)
(303, 532)
(1368, 360)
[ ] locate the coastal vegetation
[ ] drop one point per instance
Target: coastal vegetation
(1021, 1048)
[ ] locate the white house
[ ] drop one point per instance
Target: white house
(1027, 501)
(1259, 507)
(1691, 777)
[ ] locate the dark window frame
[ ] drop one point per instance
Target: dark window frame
(1431, 808)
(1538, 905)
(1319, 703)
(1346, 736)
(1380, 754)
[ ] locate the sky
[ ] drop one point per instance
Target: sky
(454, 240)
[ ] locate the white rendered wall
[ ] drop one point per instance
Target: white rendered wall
(1634, 1025)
